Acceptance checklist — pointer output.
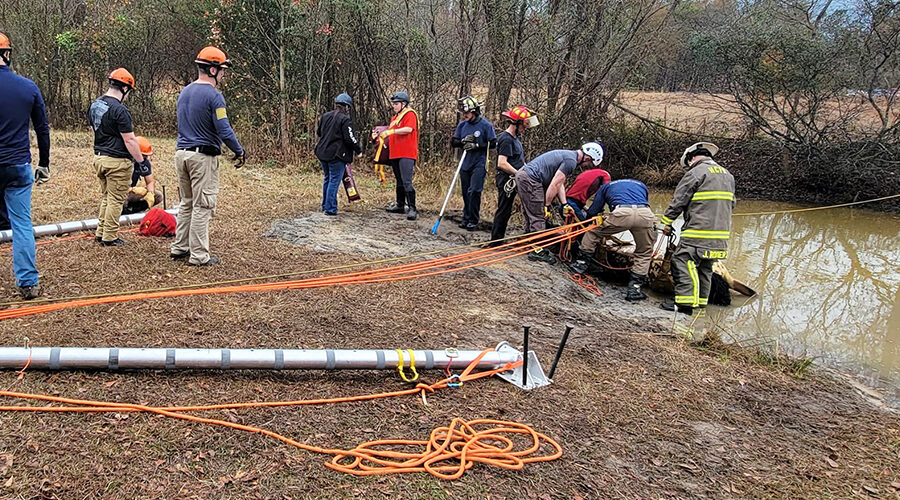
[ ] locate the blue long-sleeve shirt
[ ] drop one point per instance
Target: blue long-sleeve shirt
(203, 119)
(21, 102)
(619, 192)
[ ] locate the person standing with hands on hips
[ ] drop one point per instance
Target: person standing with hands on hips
(202, 128)
(475, 135)
(21, 103)
(337, 143)
(403, 144)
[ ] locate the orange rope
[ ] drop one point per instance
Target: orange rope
(586, 282)
(447, 454)
(433, 267)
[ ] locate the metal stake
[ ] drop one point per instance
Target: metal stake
(559, 350)
(526, 327)
(164, 198)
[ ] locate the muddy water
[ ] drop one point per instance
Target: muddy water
(828, 287)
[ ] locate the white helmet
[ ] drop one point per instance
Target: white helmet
(708, 146)
(595, 151)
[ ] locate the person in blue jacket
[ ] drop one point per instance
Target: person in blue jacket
(475, 135)
(21, 103)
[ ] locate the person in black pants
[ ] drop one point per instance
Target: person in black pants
(510, 158)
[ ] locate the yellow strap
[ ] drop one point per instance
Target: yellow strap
(412, 366)
(396, 121)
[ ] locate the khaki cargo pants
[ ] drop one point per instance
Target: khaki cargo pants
(639, 221)
(198, 188)
(115, 179)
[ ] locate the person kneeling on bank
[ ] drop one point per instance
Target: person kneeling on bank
(629, 210)
(140, 198)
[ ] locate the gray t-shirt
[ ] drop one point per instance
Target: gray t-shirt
(544, 167)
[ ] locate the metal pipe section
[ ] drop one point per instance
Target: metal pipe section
(128, 358)
(78, 225)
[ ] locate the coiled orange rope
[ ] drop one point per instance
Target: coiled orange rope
(447, 454)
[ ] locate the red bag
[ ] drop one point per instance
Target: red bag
(158, 222)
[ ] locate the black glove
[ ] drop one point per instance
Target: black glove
(239, 159)
(469, 142)
(143, 168)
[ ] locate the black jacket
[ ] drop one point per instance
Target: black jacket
(337, 141)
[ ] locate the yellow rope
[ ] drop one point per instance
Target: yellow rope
(749, 214)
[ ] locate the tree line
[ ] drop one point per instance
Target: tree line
(802, 72)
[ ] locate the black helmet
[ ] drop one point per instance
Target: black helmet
(400, 97)
(344, 99)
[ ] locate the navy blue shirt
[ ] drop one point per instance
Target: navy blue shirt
(484, 133)
(21, 102)
(619, 192)
(511, 147)
(203, 120)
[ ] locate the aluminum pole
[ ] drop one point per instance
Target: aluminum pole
(78, 225)
(128, 358)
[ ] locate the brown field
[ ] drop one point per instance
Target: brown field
(639, 414)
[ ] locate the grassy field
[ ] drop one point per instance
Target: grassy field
(639, 414)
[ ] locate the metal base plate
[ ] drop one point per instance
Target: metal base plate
(536, 377)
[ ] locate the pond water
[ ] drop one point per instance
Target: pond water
(827, 284)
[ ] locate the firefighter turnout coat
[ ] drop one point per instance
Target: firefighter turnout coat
(705, 195)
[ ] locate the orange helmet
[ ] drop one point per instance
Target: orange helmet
(522, 114)
(213, 56)
(5, 48)
(144, 144)
(123, 77)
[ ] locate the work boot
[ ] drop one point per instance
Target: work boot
(634, 292)
(394, 208)
(30, 292)
(669, 305)
(471, 227)
(582, 262)
(211, 262)
(411, 214)
(542, 255)
(463, 224)
(114, 243)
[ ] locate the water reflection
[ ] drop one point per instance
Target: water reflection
(827, 282)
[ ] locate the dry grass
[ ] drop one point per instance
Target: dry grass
(638, 416)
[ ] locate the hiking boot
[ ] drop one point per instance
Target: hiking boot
(463, 224)
(98, 239)
(394, 208)
(179, 256)
(114, 243)
(211, 262)
(634, 292)
(471, 227)
(30, 292)
(412, 214)
(542, 255)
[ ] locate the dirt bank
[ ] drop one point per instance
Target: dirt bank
(638, 415)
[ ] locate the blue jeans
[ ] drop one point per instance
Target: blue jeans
(333, 175)
(15, 185)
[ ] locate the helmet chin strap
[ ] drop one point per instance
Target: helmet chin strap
(5, 56)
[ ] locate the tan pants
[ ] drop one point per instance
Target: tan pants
(115, 179)
(198, 188)
(639, 221)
